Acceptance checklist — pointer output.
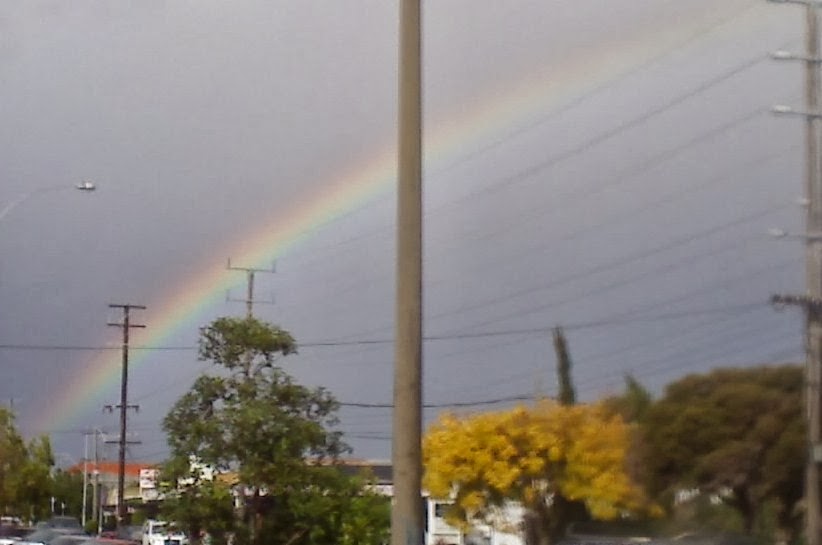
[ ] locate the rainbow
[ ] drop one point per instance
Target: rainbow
(493, 116)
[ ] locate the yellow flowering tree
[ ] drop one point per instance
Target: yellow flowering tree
(532, 455)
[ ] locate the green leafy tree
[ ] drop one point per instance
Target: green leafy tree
(12, 457)
(367, 518)
(252, 420)
(337, 509)
(201, 505)
(735, 433)
(634, 403)
(25, 471)
(35, 479)
(67, 489)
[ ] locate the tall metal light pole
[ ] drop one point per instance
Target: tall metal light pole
(406, 455)
(85, 479)
(813, 262)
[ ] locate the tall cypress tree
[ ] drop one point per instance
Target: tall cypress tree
(565, 511)
(567, 395)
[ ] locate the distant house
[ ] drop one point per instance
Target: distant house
(437, 529)
(140, 481)
(141, 484)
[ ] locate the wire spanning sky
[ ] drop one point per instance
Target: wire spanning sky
(613, 169)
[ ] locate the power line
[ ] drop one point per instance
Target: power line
(453, 404)
(604, 267)
(528, 172)
(626, 175)
(709, 28)
(444, 337)
(671, 356)
(541, 307)
(626, 317)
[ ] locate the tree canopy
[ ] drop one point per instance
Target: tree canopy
(531, 455)
(251, 418)
(736, 433)
(632, 404)
(25, 471)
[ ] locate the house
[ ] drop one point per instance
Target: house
(141, 485)
(103, 480)
(437, 529)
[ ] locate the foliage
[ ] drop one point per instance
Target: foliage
(565, 509)
(202, 506)
(338, 509)
(567, 395)
(35, 478)
(253, 420)
(532, 455)
(633, 404)
(25, 471)
(738, 433)
(67, 489)
(12, 457)
(366, 519)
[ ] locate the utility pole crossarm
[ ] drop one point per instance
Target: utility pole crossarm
(249, 298)
(807, 302)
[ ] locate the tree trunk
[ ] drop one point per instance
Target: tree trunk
(564, 512)
(255, 521)
(539, 524)
(746, 509)
(534, 534)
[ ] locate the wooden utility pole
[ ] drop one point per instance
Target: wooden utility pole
(126, 326)
(811, 300)
(407, 512)
(813, 274)
(249, 298)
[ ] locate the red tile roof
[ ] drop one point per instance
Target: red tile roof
(132, 469)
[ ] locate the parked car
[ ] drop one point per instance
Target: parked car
(107, 541)
(160, 532)
(11, 534)
(64, 523)
(43, 536)
(128, 534)
(70, 539)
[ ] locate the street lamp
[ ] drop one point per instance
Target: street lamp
(784, 109)
(775, 232)
(783, 55)
(812, 3)
(85, 185)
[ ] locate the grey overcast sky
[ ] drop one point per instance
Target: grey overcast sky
(611, 167)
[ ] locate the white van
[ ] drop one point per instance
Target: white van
(160, 532)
